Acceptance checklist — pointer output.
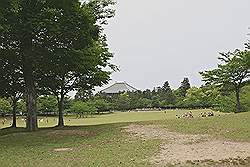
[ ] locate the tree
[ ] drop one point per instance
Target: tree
(21, 107)
(101, 105)
(84, 94)
(166, 87)
(20, 33)
(232, 72)
(11, 81)
(245, 97)
(122, 102)
(5, 106)
(166, 94)
(185, 85)
(83, 108)
(47, 104)
(42, 31)
(78, 63)
(143, 103)
(147, 94)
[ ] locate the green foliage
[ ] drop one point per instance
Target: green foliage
(166, 95)
(182, 90)
(232, 73)
(56, 45)
(101, 105)
(21, 106)
(233, 70)
(245, 98)
(83, 108)
(194, 97)
(5, 106)
(201, 97)
(144, 103)
(79, 59)
(84, 94)
(47, 104)
(227, 103)
(122, 102)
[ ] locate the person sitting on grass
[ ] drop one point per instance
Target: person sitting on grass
(204, 114)
(188, 115)
(210, 114)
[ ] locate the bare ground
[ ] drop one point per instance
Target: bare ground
(178, 149)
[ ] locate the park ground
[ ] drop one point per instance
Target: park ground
(130, 139)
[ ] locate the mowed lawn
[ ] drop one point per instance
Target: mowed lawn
(101, 141)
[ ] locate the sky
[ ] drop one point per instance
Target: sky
(154, 41)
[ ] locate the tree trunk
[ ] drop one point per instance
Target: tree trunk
(31, 98)
(14, 107)
(60, 110)
(30, 89)
(28, 60)
(238, 106)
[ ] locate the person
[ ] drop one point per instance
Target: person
(190, 114)
(210, 114)
(203, 114)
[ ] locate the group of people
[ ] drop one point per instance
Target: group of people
(207, 114)
(186, 115)
(190, 114)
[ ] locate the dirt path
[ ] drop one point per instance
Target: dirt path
(180, 148)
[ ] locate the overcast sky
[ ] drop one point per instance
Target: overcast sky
(158, 40)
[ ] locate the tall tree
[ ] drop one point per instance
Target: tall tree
(166, 86)
(11, 81)
(20, 32)
(78, 62)
(166, 94)
(185, 85)
(233, 72)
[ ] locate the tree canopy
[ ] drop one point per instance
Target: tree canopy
(233, 72)
(57, 45)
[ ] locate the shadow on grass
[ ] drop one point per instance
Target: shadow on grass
(93, 128)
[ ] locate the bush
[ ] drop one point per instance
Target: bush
(5, 106)
(83, 108)
(47, 104)
(101, 105)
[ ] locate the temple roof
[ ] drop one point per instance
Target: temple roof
(119, 87)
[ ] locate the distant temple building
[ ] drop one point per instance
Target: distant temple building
(118, 88)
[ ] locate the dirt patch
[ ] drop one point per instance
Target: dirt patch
(155, 132)
(62, 133)
(62, 149)
(181, 148)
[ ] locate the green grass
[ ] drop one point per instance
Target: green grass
(104, 145)
(101, 141)
(117, 117)
(228, 126)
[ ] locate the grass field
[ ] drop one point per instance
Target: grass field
(116, 117)
(102, 142)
